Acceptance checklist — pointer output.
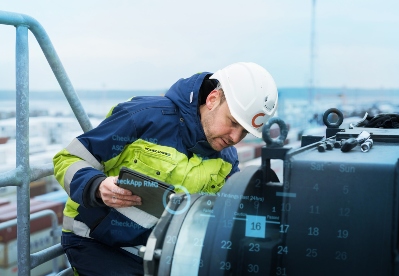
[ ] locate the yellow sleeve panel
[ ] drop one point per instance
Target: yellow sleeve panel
(62, 160)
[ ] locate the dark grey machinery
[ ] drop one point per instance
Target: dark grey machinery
(334, 213)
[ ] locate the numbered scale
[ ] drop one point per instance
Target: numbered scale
(235, 232)
(243, 237)
(343, 208)
(334, 213)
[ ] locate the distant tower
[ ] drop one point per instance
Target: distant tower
(312, 54)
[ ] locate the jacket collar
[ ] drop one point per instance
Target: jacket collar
(184, 93)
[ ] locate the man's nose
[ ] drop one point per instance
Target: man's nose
(237, 135)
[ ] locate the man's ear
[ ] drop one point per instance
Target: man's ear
(213, 99)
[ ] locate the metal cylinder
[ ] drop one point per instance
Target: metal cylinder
(366, 146)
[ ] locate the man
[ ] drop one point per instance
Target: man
(185, 138)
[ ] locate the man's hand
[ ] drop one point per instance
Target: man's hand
(114, 196)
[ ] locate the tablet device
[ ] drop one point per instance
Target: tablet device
(154, 193)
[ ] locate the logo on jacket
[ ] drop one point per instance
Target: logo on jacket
(158, 151)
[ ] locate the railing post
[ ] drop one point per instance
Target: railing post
(22, 144)
(23, 174)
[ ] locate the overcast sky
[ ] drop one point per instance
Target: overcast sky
(149, 44)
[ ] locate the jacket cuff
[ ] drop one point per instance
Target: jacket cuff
(89, 193)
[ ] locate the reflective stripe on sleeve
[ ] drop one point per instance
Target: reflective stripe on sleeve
(82, 230)
(72, 169)
(140, 217)
(76, 148)
(77, 227)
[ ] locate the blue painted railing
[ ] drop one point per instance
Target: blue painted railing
(24, 172)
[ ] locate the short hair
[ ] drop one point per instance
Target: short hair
(207, 86)
(220, 89)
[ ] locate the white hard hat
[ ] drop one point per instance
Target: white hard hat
(251, 94)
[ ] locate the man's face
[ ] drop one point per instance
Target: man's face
(220, 127)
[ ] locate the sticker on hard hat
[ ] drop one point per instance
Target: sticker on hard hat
(254, 124)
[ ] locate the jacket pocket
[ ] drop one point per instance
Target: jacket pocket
(153, 165)
(207, 175)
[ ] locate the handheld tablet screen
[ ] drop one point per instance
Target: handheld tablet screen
(154, 193)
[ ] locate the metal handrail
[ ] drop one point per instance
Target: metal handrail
(23, 174)
(17, 19)
(44, 255)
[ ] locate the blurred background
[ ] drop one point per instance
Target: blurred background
(322, 54)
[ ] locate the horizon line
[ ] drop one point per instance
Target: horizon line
(160, 89)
